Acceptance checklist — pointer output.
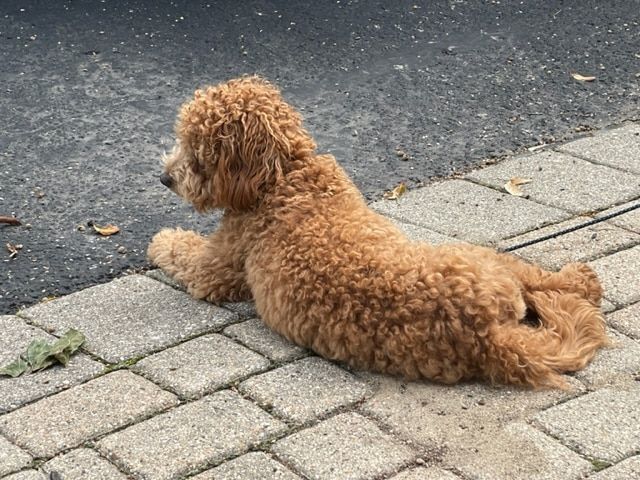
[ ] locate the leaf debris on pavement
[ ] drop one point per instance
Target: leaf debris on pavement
(582, 78)
(10, 220)
(104, 230)
(13, 249)
(513, 186)
(396, 193)
(40, 354)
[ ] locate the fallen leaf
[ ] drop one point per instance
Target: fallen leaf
(10, 220)
(40, 354)
(13, 249)
(582, 78)
(513, 186)
(396, 193)
(105, 230)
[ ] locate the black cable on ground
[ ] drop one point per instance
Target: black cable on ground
(571, 229)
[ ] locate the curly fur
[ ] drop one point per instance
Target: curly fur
(331, 275)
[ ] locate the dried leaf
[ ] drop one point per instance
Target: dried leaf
(13, 249)
(15, 368)
(10, 220)
(40, 354)
(582, 78)
(396, 193)
(513, 186)
(105, 230)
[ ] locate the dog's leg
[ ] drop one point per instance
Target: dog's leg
(209, 267)
(575, 278)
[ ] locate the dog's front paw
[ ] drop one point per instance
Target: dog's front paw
(160, 250)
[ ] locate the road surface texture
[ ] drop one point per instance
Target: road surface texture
(398, 91)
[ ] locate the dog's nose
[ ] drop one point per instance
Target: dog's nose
(166, 180)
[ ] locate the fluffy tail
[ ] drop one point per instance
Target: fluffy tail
(571, 331)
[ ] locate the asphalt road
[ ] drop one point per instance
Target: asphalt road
(89, 91)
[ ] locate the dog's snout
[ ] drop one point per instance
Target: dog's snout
(166, 180)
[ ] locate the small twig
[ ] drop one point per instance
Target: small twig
(10, 220)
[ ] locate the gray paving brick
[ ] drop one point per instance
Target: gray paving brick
(160, 276)
(130, 316)
(12, 458)
(83, 464)
(314, 387)
(250, 466)
(615, 365)
(518, 452)
(421, 234)
(189, 438)
(201, 365)
(345, 447)
(470, 212)
(81, 413)
(627, 320)
(619, 276)
(580, 246)
(425, 473)
(626, 470)
(602, 425)
(431, 414)
(629, 220)
(26, 475)
(607, 306)
(563, 181)
(243, 309)
(619, 147)
(16, 337)
(256, 335)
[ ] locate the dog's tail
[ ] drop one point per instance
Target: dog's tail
(571, 330)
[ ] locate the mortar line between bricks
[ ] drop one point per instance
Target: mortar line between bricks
(591, 160)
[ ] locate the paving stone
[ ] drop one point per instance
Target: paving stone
(314, 387)
(619, 276)
(625, 470)
(563, 181)
(580, 246)
(250, 466)
(243, 309)
(188, 438)
(629, 220)
(466, 419)
(432, 414)
(619, 147)
(257, 336)
(627, 320)
(201, 365)
(83, 464)
(160, 276)
(130, 316)
(601, 425)
(426, 473)
(81, 413)
(345, 447)
(12, 458)
(16, 337)
(26, 475)
(421, 234)
(615, 365)
(607, 306)
(470, 212)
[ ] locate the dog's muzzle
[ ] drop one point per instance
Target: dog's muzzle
(166, 180)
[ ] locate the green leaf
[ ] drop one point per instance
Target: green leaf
(40, 354)
(15, 369)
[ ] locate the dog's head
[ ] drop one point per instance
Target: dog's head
(234, 141)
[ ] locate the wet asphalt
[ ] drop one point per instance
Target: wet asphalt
(398, 90)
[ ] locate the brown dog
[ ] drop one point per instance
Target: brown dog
(331, 275)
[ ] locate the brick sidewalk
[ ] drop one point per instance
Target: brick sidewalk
(168, 387)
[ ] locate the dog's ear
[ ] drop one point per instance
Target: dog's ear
(250, 153)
